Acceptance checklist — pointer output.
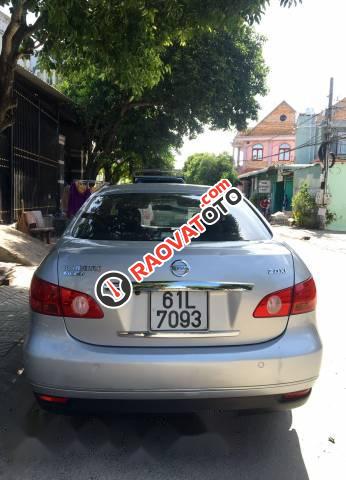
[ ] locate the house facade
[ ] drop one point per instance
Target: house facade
(275, 182)
(263, 155)
(270, 142)
(280, 180)
(310, 132)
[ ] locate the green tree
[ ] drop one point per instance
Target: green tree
(202, 87)
(123, 43)
(208, 168)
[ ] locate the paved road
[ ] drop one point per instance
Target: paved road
(212, 445)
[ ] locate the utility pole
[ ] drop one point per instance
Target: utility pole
(324, 154)
(328, 136)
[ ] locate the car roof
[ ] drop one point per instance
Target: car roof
(182, 188)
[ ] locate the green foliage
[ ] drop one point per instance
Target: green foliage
(125, 43)
(290, 3)
(330, 217)
(304, 208)
(121, 43)
(202, 87)
(208, 168)
(215, 80)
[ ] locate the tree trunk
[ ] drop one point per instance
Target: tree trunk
(92, 168)
(6, 96)
(108, 171)
(16, 31)
(91, 172)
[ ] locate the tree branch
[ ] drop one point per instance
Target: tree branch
(141, 105)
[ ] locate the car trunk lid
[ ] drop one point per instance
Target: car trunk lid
(233, 277)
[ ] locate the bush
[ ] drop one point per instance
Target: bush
(330, 217)
(304, 208)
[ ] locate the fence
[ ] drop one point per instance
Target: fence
(29, 159)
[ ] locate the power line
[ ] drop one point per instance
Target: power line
(308, 119)
(306, 144)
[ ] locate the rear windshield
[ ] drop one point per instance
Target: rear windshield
(153, 217)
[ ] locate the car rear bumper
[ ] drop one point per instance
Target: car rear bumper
(57, 364)
(87, 405)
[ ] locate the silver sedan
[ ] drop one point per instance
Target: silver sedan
(226, 320)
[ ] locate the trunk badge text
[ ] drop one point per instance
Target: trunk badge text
(276, 271)
(180, 268)
(80, 270)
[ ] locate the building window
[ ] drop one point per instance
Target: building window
(284, 152)
(257, 152)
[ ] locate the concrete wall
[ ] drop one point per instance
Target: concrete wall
(337, 189)
(309, 175)
(306, 133)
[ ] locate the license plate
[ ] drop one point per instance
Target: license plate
(179, 311)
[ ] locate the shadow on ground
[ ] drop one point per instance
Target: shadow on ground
(208, 445)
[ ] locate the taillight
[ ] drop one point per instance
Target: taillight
(276, 304)
(291, 301)
(304, 299)
(77, 304)
(44, 297)
(50, 299)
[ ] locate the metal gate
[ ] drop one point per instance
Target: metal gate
(35, 150)
(5, 178)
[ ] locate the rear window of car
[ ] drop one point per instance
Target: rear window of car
(154, 217)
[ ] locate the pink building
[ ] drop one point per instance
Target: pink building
(271, 141)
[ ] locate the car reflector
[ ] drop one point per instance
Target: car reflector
(51, 399)
(296, 395)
